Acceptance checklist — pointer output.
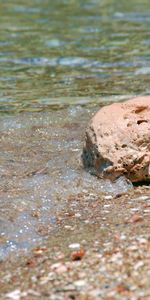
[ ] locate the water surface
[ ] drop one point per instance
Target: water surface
(52, 49)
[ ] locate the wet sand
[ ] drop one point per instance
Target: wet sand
(110, 261)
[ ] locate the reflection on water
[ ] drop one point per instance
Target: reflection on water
(72, 48)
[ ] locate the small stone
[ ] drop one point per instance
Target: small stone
(74, 246)
(68, 227)
(77, 215)
(142, 241)
(108, 197)
(138, 265)
(59, 268)
(77, 255)
(135, 218)
(16, 295)
(80, 283)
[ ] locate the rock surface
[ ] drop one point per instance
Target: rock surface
(118, 141)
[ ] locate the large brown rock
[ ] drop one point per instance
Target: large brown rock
(117, 141)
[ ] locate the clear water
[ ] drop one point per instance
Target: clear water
(67, 49)
(60, 61)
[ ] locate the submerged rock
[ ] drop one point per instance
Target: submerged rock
(117, 141)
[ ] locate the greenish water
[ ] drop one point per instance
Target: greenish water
(53, 53)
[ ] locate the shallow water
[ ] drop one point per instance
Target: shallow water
(60, 61)
(68, 49)
(41, 170)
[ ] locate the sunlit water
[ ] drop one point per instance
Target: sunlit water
(60, 60)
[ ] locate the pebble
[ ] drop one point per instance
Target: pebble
(108, 197)
(77, 215)
(15, 295)
(74, 246)
(138, 265)
(80, 283)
